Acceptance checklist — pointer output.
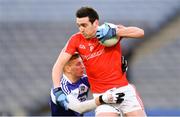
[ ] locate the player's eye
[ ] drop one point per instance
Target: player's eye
(78, 25)
(79, 64)
(84, 25)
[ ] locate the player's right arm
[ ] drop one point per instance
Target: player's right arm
(129, 32)
(57, 70)
(108, 30)
(71, 102)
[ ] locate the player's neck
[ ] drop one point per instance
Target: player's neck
(72, 78)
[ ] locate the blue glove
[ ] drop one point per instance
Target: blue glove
(105, 32)
(61, 98)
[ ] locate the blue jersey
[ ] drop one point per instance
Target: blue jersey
(78, 90)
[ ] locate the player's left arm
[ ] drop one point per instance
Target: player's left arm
(129, 32)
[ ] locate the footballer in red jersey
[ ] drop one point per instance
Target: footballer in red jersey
(102, 64)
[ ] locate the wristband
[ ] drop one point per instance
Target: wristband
(101, 100)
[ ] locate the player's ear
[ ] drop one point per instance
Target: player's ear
(96, 22)
(67, 69)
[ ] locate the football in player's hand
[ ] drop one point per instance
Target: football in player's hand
(110, 42)
(106, 34)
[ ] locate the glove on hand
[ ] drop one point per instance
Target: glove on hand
(106, 31)
(124, 64)
(110, 97)
(61, 98)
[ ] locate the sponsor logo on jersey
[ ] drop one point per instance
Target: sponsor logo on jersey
(92, 55)
(81, 46)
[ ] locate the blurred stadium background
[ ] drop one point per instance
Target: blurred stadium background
(32, 33)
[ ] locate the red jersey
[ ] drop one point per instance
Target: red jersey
(103, 64)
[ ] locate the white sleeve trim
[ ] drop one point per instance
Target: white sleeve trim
(81, 107)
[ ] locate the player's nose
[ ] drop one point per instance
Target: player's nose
(81, 29)
(82, 66)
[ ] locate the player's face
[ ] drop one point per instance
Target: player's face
(86, 27)
(77, 68)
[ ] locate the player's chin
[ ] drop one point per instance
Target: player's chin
(88, 36)
(81, 74)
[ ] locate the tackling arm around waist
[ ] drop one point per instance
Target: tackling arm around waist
(81, 107)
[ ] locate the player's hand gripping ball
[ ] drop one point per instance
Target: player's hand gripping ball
(106, 34)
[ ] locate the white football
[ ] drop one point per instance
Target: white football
(110, 42)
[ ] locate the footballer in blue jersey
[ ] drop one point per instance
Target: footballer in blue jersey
(74, 84)
(70, 99)
(78, 90)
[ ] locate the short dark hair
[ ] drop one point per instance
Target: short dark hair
(87, 12)
(74, 56)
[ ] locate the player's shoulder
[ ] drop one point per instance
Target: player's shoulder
(64, 85)
(65, 80)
